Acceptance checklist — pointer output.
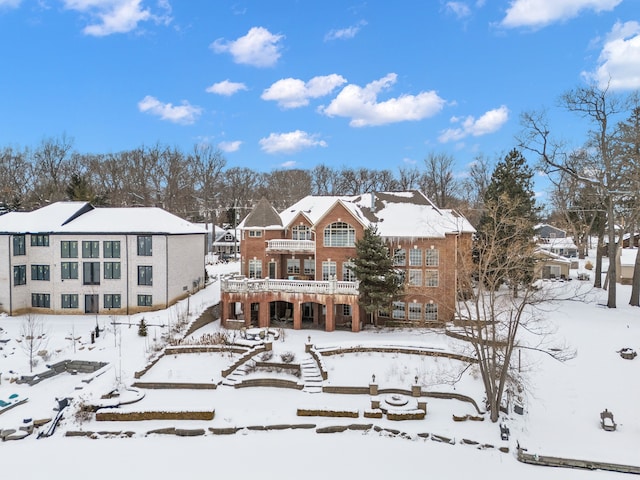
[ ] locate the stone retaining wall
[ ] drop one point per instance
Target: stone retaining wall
(175, 385)
(114, 416)
(399, 349)
(548, 461)
(72, 366)
(270, 382)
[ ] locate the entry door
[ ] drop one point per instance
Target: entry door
(91, 303)
(272, 270)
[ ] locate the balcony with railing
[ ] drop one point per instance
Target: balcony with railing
(254, 285)
(291, 246)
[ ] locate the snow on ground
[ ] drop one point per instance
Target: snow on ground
(561, 417)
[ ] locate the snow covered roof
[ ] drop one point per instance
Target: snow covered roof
(397, 214)
(82, 217)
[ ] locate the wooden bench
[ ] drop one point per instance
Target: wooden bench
(606, 420)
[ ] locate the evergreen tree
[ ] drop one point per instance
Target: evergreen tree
(373, 266)
(142, 328)
(511, 214)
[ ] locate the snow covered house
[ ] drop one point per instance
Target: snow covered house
(555, 240)
(295, 264)
(70, 257)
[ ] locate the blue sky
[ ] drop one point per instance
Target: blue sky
(284, 84)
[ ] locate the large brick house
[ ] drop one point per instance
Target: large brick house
(295, 264)
(73, 258)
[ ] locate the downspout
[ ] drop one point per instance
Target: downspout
(10, 273)
(126, 246)
(166, 269)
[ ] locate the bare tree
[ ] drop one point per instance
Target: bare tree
(285, 187)
(600, 107)
(439, 182)
(491, 315)
(15, 178)
(33, 337)
(324, 180)
(208, 164)
(52, 167)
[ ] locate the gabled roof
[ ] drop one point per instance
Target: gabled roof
(262, 216)
(82, 217)
(397, 214)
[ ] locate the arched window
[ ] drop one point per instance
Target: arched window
(339, 234)
(301, 232)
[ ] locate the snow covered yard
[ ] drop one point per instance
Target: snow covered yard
(561, 407)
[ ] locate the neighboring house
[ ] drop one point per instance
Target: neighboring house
(550, 265)
(555, 240)
(226, 242)
(296, 264)
(73, 258)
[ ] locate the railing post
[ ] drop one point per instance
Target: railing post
(333, 283)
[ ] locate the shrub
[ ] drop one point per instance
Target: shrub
(287, 357)
(142, 328)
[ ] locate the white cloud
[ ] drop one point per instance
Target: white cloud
(293, 93)
(226, 88)
(539, 13)
(228, 147)
(259, 48)
(290, 142)
(345, 33)
(459, 9)
(10, 3)
(289, 164)
(185, 114)
(117, 16)
(490, 122)
(619, 61)
(362, 106)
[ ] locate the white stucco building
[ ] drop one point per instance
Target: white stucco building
(71, 257)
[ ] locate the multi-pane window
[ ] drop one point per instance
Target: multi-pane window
(339, 234)
(415, 278)
(415, 257)
(145, 275)
(111, 270)
(328, 270)
(145, 301)
(69, 249)
(69, 270)
(402, 276)
(415, 311)
(144, 245)
(111, 249)
(398, 310)
(41, 300)
(346, 310)
(90, 249)
(19, 245)
(19, 275)
(40, 272)
(113, 300)
(431, 311)
(69, 300)
(255, 233)
(431, 278)
(399, 257)
(39, 240)
(255, 268)
(432, 257)
(301, 232)
(348, 275)
(293, 266)
(91, 273)
(309, 266)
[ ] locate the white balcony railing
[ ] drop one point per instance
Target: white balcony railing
(291, 245)
(252, 285)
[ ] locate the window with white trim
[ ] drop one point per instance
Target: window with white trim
(293, 266)
(431, 278)
(309, 266)
(415, 257)
(255, 268)
(255, 233)
(301, 232)
(415, 277)
(415, 311)
(328, 270)
(348, 275)
(431, 311)
(399, 257)
(398, 310)
(339, 234)
(432, 257)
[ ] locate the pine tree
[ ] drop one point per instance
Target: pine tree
(142, 328)
(511, 214)
(373, 266)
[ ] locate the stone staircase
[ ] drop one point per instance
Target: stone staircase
(311, 375)
(236, 376)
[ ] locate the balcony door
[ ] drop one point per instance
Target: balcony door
(272, 270)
